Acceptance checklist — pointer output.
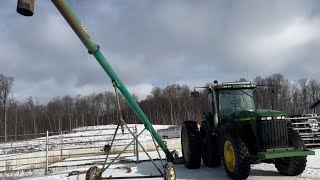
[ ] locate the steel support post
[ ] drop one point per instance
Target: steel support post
(47, 153)
(61, 146)
(137, 145)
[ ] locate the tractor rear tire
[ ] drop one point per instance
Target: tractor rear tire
(209, 147)
(292, 166)
(191, 144)
(235, 156)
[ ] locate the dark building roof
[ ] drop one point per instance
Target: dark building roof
(315, 104)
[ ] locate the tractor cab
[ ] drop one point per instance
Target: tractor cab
(233, 102)
(233, 98)
(228, 102)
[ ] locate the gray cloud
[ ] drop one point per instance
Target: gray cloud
(154, 43)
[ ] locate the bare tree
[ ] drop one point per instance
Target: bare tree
(170, 105)
(31, 107)
(6, 84)
(304, 95)
(68, 107)
(13, 110)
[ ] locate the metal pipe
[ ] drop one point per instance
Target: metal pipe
(155, 145)
(61, 147)
(137, 146)
(113, 138)
(136, 138)
(94, 49)
(47, 149)
(96, 160)
(102, 170)
(135, 177)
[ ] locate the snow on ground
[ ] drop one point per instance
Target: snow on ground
(89, 135)
(261, 171)
(77, 136)
(84, 141)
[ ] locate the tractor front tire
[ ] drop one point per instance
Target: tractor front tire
(235, 156)
(191, 144)
(209, 147)
(292, 166)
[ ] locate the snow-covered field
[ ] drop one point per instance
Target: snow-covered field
(259, 171)
(88, 136)
(16, 157)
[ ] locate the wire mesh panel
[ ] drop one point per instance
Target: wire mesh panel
(80, 147)
(308, 128)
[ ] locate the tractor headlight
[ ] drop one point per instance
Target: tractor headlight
(266, 118)
(280, 117)
(272, 117)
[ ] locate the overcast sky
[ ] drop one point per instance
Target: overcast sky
(156, 42)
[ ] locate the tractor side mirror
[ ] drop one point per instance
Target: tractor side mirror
(195, 94)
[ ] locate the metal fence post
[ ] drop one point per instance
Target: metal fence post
(137, 145)
(134, 143)
(61, 137)
(47, 148)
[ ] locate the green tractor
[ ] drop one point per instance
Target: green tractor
(236, 133)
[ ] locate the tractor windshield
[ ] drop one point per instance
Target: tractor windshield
(235, 100)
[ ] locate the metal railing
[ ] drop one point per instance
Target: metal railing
(308, 128)
(78, 148)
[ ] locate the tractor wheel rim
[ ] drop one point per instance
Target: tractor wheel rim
(172, 174)
(229, 156)
(95, 174)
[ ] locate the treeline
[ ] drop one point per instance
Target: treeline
(169, 105)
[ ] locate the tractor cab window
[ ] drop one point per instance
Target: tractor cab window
(235, 100)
